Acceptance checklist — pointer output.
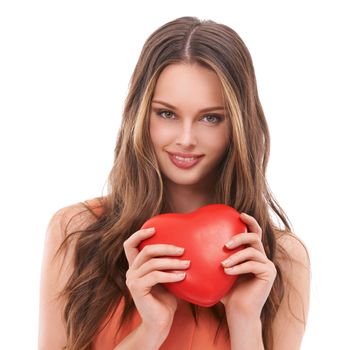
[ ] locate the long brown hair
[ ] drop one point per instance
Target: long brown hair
(135, 184)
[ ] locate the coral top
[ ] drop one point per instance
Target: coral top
(184, 333)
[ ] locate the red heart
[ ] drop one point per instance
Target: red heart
(203, 233)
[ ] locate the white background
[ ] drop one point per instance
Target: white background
(64, 73)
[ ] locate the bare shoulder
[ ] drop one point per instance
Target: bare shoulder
(74, 217)
(56, 268)
(58, 222)
(291, 318)
(294, 246)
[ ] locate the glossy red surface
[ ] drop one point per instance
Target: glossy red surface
(203, 233)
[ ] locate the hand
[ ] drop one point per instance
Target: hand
(154, 303)
(257, 274)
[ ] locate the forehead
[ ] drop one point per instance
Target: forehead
(189, 85)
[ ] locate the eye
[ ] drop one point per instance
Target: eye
(219, 118)
(213, 118)
(160, 113)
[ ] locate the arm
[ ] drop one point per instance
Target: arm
(245, 334)
(52, 333)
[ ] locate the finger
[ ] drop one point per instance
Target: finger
(161, 264)
(243, 255)
(250, 238)
(131, 244)
(142, 286)
(246, 267)
(265, 271)
(156, 277)
(156, 250)
(252, 224)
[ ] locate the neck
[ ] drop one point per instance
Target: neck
(185, 199)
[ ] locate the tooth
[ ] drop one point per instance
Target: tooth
(184, 159)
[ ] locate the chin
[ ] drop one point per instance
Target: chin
(185, 180)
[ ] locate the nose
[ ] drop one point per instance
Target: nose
(186, 136)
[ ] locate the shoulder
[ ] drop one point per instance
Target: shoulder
(77, 215)
(294, 263)
(289, 243)
(57, 267)
(69, 219)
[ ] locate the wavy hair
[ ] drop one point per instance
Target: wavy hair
(135, 184)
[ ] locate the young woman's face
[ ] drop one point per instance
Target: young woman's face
(184, 127)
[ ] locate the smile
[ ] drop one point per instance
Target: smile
(184, 162)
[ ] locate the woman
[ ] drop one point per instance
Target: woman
(193, 133)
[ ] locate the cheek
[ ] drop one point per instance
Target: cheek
(159, 134)
(217, 142)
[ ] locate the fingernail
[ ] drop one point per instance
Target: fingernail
(229, 244)
(150, 229)
(180, 250)
(225, 262)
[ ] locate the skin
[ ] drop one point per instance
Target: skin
(188, 190)
(185, 129)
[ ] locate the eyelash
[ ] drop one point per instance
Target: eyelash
(217, 116)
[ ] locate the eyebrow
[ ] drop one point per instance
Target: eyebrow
(203, 110)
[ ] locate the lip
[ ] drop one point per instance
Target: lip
(184, 164)
(185, 155)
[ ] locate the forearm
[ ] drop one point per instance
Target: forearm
(245, 333)
(142, 338)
